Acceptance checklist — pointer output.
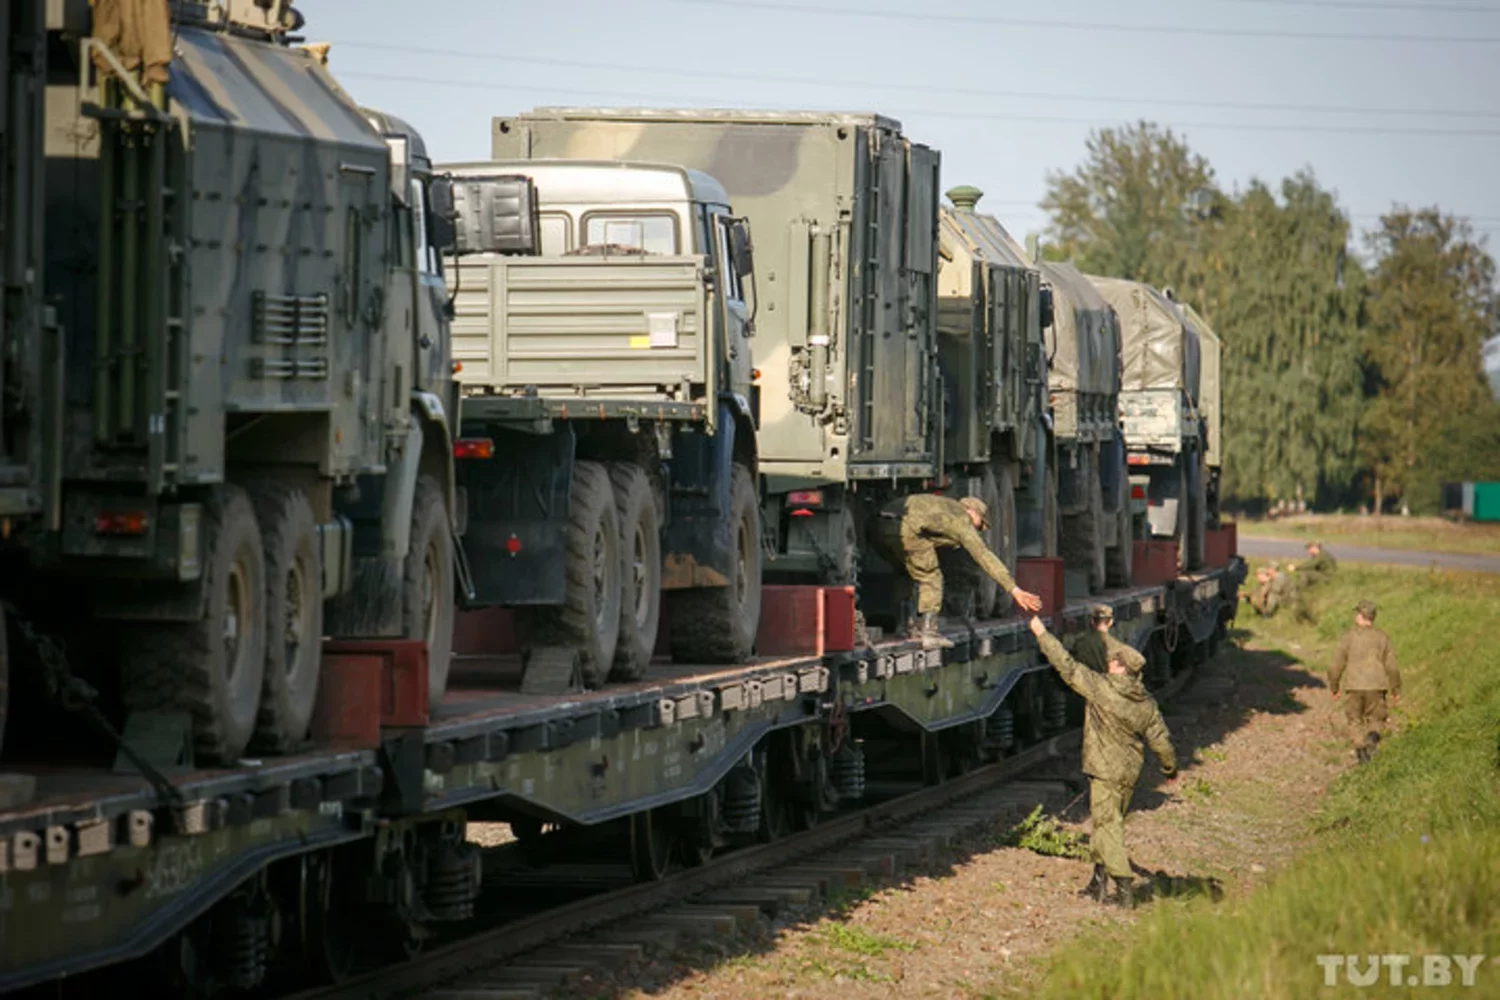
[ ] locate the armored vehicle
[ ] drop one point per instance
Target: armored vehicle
(1083, 350)
(991, 312)
(235, 407)
(608, 419)
(844, 208)
(1159, 409)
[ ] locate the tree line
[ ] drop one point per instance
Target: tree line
(1349, 379)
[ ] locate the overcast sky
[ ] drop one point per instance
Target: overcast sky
(1389, 101)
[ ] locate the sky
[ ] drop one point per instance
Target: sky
(1388, 101)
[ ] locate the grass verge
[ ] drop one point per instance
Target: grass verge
(1404, 857)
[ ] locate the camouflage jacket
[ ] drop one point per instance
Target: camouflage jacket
(1319, 568)
(945, 523)
(1095, 649)
(1120, 714)
(1365, 660)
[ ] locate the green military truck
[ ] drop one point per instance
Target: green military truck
(608, 449)
(1159, 407)
(1094, 492)
(844, 208)
(1210, 406)
(227, 386)
(991, 313)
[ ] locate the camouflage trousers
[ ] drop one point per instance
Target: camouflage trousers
(1365, 713)
(1108, 801)
(917, 556)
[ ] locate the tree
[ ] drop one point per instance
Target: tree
(1126, 210)
(1432, 304)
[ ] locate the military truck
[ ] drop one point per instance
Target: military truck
(608, 450)
(1159, 391)
(844, 208)
(991, 312)
(227, 384)
(1083, 352)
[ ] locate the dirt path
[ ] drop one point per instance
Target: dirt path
(1258, 748)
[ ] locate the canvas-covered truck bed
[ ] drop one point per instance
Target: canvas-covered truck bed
(1159, 379)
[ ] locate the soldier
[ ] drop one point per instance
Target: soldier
(1095, 649)
(1121, 713)
(1257, 597)
(910, 531)
(1364, 669)
(1319, 567)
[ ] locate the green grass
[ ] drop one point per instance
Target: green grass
(855, 939)
(1046, 835)
(1428, 534)
(1404, 856)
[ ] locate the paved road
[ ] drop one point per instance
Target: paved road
(1289, 548)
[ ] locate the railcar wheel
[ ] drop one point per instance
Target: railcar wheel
(651, 838)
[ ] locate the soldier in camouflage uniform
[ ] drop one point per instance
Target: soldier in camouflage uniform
(1097, 647)
(1364, 672)
(1319, 567)
(1120, 714)
(911, 529)
(1279, 590)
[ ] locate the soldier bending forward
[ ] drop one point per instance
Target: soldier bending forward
(909, 532)
(1121, 713)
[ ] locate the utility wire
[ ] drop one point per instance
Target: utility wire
(788, 7)
(1382, 130)
(1026, 95)
(1415, 8)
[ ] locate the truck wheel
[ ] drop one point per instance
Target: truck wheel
(1050, 539)
(294, 617)
(1120, 560)
(718, 624)
(589, 618)
(4, 677)
(640, 582)
(1003, 529)
(427, 584)
(1083, 539)
(1183, 533)
(212, 668)
(1197, 482)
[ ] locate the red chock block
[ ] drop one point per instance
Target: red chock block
(1043, 577)
(791, 621)
(401, 672)
(1155, 563)
(1218, 546)
(838, 619)
(347, 716)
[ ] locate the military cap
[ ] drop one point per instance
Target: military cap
(1366, 608)
(978, 506)
(1101, 612)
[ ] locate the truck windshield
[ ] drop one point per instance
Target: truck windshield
(650, 233)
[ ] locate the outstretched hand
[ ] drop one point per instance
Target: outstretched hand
(1037, 628)
(1027, 600)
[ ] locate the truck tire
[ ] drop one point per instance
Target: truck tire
(1051, 541)
(718, 624)
(1119, 561)
(1004, 528)
(213, 668)
(640, 580)
(1183, 533)
(294, 617)
(4, 676)
(1197, 480)
(589, 618)
(427, 584)
(1083, 539)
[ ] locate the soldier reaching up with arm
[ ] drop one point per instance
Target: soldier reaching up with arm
(1120, 715)
(911, 529)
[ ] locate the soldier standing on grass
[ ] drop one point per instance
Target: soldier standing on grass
(1364, 670)
(1121, 714)
(909, 532)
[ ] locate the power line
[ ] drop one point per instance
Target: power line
(1415, 8)
(1381, 130)
(788, 7)
(1025, 95)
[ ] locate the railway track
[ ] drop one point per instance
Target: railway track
(522, 958)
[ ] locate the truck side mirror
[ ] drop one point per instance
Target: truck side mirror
(496, 214)
(1048, 311)
(440, 215)
(741, 248)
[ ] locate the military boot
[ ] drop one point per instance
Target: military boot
(931, 637)
(1124, 893)
(1362, 755)
(1095, 888)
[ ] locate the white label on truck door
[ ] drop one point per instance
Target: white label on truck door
(661, 329)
